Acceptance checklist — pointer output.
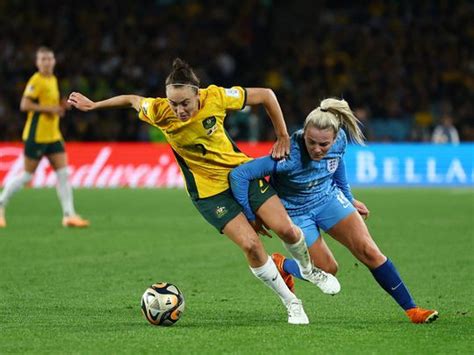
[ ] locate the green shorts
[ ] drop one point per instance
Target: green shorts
(220, 209)
(36, 151)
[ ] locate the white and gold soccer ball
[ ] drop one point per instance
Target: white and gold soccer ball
(162, 304)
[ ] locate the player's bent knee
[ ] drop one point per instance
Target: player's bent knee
(253, 249)
(371, 256)
(288, 232)
(62, 173)
(26, 177)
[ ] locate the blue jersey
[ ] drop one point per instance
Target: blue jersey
(301, 183)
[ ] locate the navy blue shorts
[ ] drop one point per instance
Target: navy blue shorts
(36, 151)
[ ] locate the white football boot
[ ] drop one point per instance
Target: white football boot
(296, 314)
(325, 281)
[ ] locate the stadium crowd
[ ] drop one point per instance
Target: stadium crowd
(402, 65)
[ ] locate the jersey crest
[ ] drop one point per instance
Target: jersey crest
(221, 211)
(332, 165)
(210, 125)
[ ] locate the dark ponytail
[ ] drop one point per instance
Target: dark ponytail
(182, 74)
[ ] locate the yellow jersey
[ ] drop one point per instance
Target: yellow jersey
(42, 127)
(202, 147)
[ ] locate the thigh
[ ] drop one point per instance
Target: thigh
(241, 233)
(267, 206)
(334, 210)
(352, 232)
(274, 216)
(56, 155)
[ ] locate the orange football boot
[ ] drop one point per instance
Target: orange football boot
(420, 315)
(279, 259)
(75, 222)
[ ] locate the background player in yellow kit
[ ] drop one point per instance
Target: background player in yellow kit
(192, 120)
(42, 137)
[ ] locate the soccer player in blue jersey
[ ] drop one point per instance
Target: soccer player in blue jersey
(312, 184)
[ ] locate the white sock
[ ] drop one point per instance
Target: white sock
(269, 275)
(64, 191)
(13, 186)
(299, 251)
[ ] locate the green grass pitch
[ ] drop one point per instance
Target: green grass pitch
(78, 291)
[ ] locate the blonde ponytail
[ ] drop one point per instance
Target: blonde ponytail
(333, 114)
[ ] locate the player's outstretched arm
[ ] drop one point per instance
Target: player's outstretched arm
(28, 104)
(267, 98)
(83, 103)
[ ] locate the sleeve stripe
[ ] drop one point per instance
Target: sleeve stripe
(245, 98)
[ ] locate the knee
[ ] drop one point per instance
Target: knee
(62, 173)
(289, 233)
(253, 249)
(26, 177)
(371, 255)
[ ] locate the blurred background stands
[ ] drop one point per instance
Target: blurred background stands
(402, 65)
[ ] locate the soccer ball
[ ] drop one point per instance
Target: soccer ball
(162, 304)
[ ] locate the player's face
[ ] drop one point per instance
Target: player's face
(183, 100)
(318, 141)
(45, 62)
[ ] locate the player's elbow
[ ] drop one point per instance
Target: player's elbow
(256, 96)
(235, 177)
(134, 101)
(24, 106)
(268, 95)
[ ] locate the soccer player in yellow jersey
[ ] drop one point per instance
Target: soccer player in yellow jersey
(42, 137)
(192, 119)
